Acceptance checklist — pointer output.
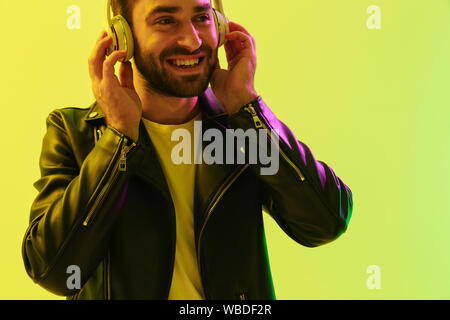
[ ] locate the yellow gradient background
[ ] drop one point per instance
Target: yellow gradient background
(372, 104)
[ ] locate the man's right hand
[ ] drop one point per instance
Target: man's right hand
(117, 97)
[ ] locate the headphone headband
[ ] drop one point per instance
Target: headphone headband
(219, 7)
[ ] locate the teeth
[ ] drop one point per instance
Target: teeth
(192, 62)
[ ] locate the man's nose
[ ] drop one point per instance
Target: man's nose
(189, 38)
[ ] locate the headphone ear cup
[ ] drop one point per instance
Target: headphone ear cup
(122, 36)
(221, 27)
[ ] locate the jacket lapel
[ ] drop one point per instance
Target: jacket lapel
(210, 178)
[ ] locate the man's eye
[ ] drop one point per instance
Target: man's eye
(164, 21)
(204, 18)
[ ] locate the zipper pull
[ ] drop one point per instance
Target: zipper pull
(123, 156)
(253, 113)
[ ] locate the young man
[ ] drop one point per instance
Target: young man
(115, 206)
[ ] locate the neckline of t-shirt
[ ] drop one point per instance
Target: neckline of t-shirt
(165, 127)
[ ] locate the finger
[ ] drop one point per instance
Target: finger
(233, 26)
(108, 66)
(126, 75)
(236, 27)
(229, 51)
(229, 48)
(238, 41)
(98, 57)
(102, 35)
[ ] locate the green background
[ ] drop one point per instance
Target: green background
(372, 104)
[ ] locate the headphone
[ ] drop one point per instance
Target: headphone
(119, 30)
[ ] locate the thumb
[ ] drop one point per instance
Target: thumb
(218, 75)
(126, 75)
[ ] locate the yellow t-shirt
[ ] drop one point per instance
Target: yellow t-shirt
(186, 281)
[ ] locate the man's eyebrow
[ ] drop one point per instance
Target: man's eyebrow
(169, 9)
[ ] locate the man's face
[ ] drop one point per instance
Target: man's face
(175, 45)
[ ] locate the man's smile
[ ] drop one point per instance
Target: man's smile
(187, 64)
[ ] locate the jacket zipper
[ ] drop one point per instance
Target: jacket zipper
(260, 124)
(121, 165)
(123, 156)
(219, 194)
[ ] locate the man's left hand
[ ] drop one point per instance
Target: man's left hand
(235, 87)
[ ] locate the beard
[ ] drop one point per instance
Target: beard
(162, 80)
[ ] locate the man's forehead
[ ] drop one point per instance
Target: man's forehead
(177, 3)
(156, 7)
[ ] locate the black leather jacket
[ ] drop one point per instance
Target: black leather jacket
(104, 205)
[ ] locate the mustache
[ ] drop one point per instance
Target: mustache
(178, 51)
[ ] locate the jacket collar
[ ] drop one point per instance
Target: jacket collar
(209, 104)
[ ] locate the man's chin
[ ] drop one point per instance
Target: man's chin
(187, 91)
(187, 86)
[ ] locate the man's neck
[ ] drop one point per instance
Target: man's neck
(164, 109)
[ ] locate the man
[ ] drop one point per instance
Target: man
(112, 202)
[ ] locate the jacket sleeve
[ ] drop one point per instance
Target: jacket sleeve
(304, 196)
(74, 211)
